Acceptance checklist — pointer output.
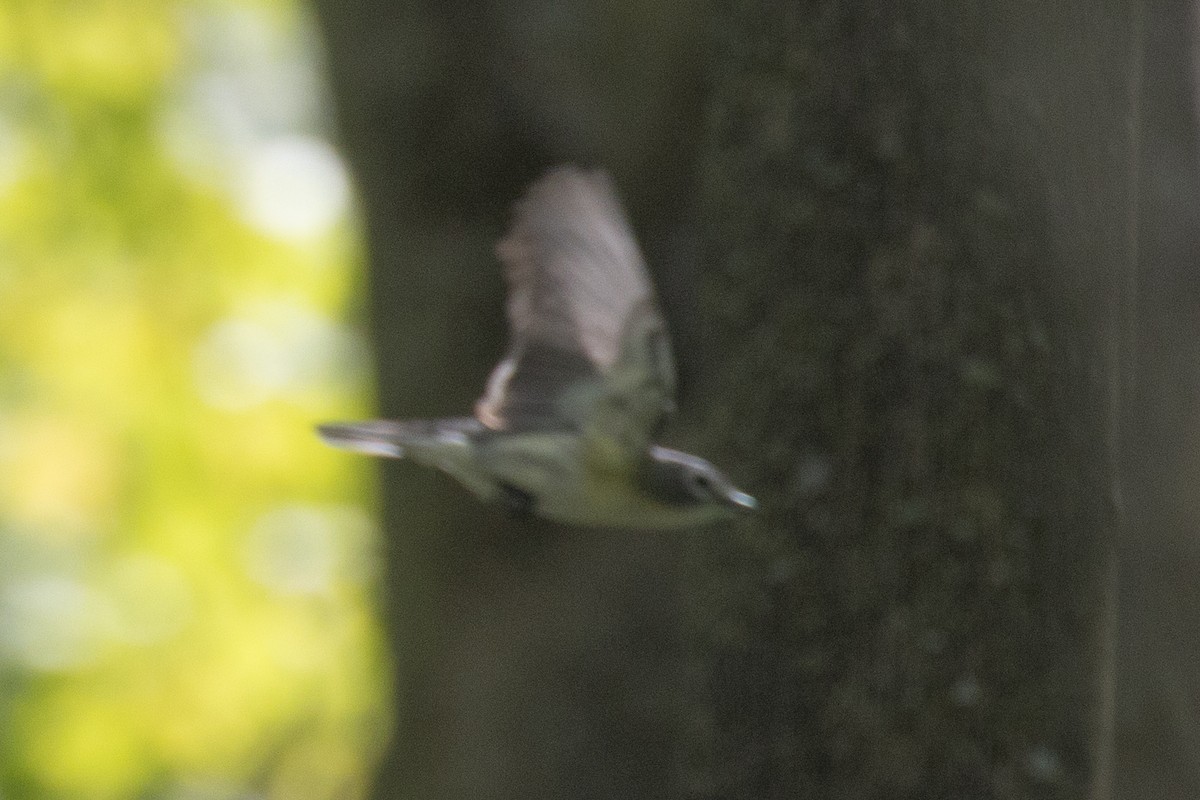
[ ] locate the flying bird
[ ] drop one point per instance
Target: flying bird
(565, 426)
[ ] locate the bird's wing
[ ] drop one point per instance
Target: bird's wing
(589, 348)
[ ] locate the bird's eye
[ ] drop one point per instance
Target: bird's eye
(702, 482)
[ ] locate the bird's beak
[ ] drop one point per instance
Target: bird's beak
(740, 501)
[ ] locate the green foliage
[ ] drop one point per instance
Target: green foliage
(184, 570)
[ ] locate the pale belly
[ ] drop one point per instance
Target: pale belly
(551, 468)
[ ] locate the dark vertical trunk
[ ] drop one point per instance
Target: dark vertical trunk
(530, 662)
(919, 223)
(905, 332)
(1158, 709)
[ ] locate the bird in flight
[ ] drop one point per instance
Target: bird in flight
(564, 429)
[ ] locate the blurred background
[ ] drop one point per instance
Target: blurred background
(185, 572)
(859, 217)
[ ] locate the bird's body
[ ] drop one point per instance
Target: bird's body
(564, 429)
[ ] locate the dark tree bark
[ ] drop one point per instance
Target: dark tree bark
(904, 332)
(920, 231)
(531, 662)
(1158, 708)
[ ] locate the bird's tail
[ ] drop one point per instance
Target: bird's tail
(392, 439)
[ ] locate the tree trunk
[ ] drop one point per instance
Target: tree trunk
(920, 231)
(1158, 685)
(905, 333)
(531, 661)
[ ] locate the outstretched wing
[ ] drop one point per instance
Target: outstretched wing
(589, 349)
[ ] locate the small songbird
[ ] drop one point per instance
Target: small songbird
(564, 427)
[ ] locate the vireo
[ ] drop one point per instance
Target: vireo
(564, 427)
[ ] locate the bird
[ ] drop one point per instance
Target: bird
(566, 425)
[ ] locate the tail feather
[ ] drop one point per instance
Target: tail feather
(390, 438)
(376, 438)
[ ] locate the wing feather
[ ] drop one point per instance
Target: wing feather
(588, 345)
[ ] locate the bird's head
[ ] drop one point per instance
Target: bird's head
(688, 482)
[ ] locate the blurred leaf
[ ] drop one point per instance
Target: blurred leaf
(184, 570)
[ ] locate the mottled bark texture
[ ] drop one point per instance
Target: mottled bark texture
(918, 222)
(918, 218)
(903, 330)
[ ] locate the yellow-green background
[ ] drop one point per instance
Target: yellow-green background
(185, 573)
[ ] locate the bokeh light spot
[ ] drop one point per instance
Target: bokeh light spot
(49, 622)
(294, 188)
